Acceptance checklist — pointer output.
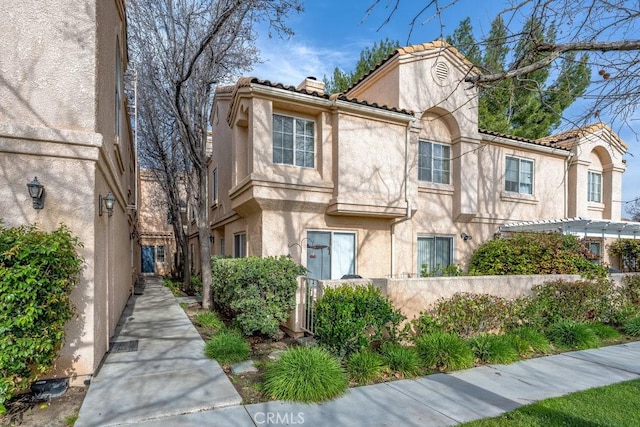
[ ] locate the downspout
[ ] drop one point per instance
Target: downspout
(407, 214)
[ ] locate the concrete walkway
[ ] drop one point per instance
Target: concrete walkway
(168, 376)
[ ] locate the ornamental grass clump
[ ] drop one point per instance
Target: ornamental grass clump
(528, 340)
(227, 347)
(605, 332)
(632, 327)
(572, 335)
(444, 351)
(209, 320)
(400, 359)
(364, 366)
(305, 374)
(491, 348)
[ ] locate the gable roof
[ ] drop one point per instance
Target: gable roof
(563, 138)
(417, 48)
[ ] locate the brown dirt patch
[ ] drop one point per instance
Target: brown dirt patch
(56, 412)
(262, 350)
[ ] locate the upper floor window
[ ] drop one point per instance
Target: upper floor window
(519, 176)
(214, 186)
(434, 162)
(293, 141)
(594, 187)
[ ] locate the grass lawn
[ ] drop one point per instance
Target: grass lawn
(614, 405)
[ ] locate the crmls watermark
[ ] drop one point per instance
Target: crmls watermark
(278, 418)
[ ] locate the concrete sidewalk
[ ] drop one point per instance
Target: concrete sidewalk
(166, 374)
(169, 376)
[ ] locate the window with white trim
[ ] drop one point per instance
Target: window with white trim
(518, 177)
(434, 253)
(434, 162)
(293, 141)
(594, 187)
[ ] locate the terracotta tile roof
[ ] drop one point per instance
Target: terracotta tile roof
(580, 132)
(521, 139)
(436, 44)
(247, 81)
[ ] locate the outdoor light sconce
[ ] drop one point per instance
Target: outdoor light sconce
(36, 191)
(465, 237)
(109, 200)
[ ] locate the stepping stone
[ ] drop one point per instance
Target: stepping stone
(275, 355)
(245, 367)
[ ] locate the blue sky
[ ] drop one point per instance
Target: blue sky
(332, 33)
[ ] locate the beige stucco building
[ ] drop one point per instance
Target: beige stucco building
(393, 174)
(157, 239)
(63, 118)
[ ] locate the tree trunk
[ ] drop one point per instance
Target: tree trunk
(203, 235)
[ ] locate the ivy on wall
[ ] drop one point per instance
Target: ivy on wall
(38, 271)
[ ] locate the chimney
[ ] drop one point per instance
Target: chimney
(311, 84)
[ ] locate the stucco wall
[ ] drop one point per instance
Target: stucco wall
(47, 63)
(412, 296)
(57, 66)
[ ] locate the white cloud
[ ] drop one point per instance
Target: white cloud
(290, 61)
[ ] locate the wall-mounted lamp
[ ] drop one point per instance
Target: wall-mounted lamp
(465, 237)
(108, 200)
(36, 191)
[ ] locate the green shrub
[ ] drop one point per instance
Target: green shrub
(195, 284)
(403, 360)
(572, 335)
(444, 351)
(605, 332)
(527, 340)
(209, 320)
(580, 301)
(628, 251)
(38, 271)
(623, 310)
(465, 314)
(258, 293)
(632, 327)
(491, 348)
(631, 288)
(305, 374)
(350, 318)
(227, 347)
(364, 366)
(535, 253)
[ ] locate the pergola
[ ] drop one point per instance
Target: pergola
(579, 226)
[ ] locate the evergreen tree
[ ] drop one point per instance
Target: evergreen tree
(369, 58)
(532, 105)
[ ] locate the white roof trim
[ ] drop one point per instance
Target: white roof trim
(579, 226)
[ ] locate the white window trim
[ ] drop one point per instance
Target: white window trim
(590, 174)
(533, 175)
(315, 132)
(433, 143)
(432, 235)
